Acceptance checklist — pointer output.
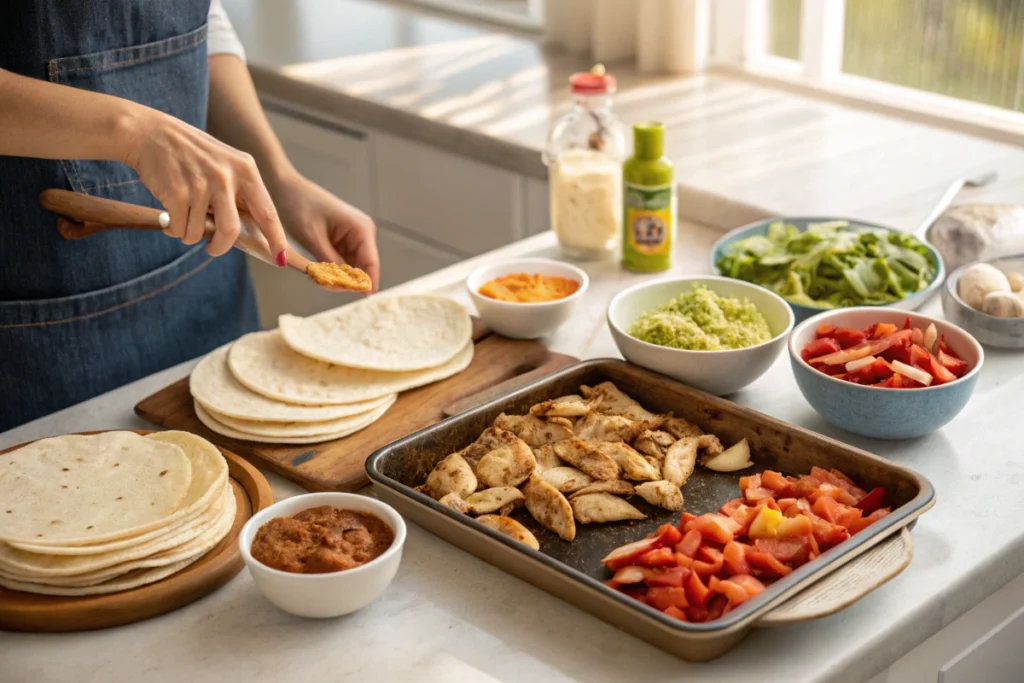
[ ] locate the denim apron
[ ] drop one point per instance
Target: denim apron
(81, 318)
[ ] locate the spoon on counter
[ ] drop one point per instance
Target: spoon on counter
(97, 215)
(949, 195)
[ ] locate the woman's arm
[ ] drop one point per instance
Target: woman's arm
(50, 121)
(328, 227)
(188, 171)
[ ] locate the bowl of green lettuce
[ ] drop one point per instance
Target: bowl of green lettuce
(819, 264)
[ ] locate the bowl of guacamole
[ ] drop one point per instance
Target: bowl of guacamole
(713, 333)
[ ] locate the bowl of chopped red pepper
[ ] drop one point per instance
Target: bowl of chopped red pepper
(883, 373)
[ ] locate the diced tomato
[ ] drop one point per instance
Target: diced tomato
(805, 485)
(944, 347)
(659, 557)
(880, 330)
(734, 592)
(669, 576)
(624, 555)
(684, 560)
(729, 508)
(848, 337)
(848, 484)
(849, 517)
(782, 549)
(878, 514)
(691, 541)
(751, 584)
(940, 372)
(774, 481)
(827, 508)
(820, 347)
(795, 527)
(766, 564)
(825, 330)
(872, 347)
(897, 381)
(837, 371)
(786, 503)
(956, 366)
(751, 482)
(668, 535)
(907, 325)
(920, 358)
(675, 613)
(697, 614)
(828, 534)
(639, 595)
(735, 559)
(629, 575)
(686, 517)
(872, 501)
(715, 527)
(870, 374)
(696, 592)
(825, 476)
(835, 493)
(708, 561)
(664, 597)
(917, 336)
(758, 494)
(743, 516)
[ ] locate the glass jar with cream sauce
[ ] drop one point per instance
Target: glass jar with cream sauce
(584, 157)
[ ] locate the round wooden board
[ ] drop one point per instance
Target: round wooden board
(47, 613)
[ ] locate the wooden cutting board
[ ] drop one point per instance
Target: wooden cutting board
(499, 365)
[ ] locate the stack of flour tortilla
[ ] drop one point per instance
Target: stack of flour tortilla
(325, 377)
(85, 515)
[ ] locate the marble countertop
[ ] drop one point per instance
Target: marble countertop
(742, 150)
(451, 617)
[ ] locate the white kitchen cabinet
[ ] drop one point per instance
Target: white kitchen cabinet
(446, 198)
(538, 206)
(282, 290)
(335, 156)
(981, 646)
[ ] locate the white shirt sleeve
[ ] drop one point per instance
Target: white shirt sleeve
(220, 34)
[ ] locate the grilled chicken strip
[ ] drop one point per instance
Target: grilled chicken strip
(663, 494)
(451, 475)
(586, 458)
(631, 463)
(563, 406)
(603, 507)
(610, 400)
(550, 508)
(533, 430)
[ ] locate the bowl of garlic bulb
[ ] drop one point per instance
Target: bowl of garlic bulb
(987, 300)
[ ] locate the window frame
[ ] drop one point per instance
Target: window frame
(488, 12)
(739, 46)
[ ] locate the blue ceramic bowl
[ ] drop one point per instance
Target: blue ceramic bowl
(912, 302)
(878, 412)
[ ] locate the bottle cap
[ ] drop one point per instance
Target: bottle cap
(648, 140)
(593, 82)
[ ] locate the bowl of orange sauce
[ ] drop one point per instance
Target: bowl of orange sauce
(526, 298)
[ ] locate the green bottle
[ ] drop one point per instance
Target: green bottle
(649, 202)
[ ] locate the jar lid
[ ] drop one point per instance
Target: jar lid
(593, 82)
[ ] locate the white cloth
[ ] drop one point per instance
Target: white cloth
(220, 34)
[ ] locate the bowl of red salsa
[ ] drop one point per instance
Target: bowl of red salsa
(884, 373)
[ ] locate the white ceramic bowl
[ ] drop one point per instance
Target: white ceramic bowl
(716, 372)
(334, 593)
(525, 321)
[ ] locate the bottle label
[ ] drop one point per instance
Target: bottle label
(648, 220)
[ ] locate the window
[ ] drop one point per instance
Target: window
(516, 13)
(970, 50)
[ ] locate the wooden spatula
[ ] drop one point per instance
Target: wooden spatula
(99, 215)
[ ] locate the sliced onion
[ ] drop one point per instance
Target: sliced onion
(733, 459)
(855, 365)
(931, 338)
(916, 374)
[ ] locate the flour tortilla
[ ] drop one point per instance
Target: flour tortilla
(264, 363)
(231, 433)
(389, 334)
(289, 429)
(199, 545)
(217, 390)
(82, 489)
(209, 475)
(40, 567)
(131, 580)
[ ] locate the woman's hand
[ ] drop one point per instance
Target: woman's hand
(194, 174)
(325, 225)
